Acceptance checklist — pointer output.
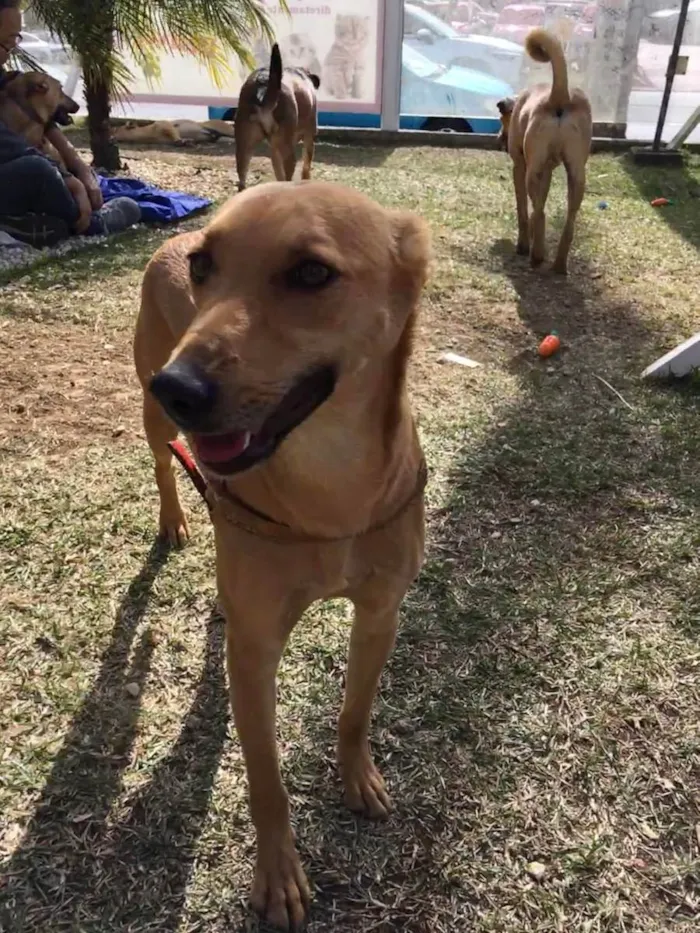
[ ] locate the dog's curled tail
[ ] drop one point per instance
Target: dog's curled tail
(274, 80)
(543, 46)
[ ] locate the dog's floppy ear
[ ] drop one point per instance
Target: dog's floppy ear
(412, 251)
(38, 84)
(505, 106)
(315, 80)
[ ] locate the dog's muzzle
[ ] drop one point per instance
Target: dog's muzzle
(191, 399)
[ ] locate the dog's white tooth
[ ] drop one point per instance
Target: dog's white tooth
(246, 442)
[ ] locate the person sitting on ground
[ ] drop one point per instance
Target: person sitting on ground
(40, 202)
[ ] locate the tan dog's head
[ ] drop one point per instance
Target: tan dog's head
(505, 108)
(298, 289)
(42, 96)
(123, 132)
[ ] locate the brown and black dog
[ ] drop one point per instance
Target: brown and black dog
(542, 128)
(277, 339)
(277, 104)
(29, 102)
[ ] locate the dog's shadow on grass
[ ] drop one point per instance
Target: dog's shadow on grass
(578, 306)
(74, 869)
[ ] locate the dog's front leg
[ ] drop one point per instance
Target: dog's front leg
(248, 135)
(255, 637)
(371, 641)
(309, 146)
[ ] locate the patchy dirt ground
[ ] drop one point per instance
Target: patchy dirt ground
(538, 723)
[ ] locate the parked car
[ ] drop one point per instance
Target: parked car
(585, 25)
(473, 18)
(441, 43)
(443, 92)
(661, 26)
(43, 51)
(517, 19)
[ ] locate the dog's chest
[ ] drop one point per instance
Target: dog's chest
(319, 570)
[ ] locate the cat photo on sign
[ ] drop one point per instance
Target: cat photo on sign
(345, 66)
(299, 51)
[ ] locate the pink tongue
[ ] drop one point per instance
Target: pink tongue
(221, 447)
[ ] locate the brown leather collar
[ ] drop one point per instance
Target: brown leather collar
(243, 516)
(237, 512)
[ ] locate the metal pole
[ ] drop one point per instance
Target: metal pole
(671, 73)
(391, 64)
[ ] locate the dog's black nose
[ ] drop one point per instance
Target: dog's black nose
(186, 393)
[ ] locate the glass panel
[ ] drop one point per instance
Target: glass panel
(658, 33)
(339, 40)
(617, 51)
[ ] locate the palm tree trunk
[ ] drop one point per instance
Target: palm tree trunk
(99, 52)
(105, 152)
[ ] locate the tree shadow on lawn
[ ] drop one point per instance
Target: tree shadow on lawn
(527, 682)
(679, 184)
(74, 871)
(506, 687)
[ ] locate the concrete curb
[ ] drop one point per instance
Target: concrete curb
(354, 136)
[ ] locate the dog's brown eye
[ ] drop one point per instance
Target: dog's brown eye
(310, 274)
(201, 265)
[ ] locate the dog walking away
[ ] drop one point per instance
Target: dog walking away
(277, 104)
(543, 127)
(277, 339)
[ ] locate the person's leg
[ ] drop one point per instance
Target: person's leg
(32, 185)
(37, 207)
(113, 217)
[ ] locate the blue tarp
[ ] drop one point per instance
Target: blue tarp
(157, 206)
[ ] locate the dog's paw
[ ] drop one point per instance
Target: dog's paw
(281, 893)
(174, 530)
(523, 248)
(536, 260)
(559, 267)
(365, 790)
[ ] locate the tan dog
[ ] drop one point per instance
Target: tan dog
(542, 128)
(32, 100)
(278, 338)
(164, 132)
(277, 104)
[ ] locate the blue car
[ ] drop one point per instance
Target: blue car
(451, 98)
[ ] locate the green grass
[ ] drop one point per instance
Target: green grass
(542, 702)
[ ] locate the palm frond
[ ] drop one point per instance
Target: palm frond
(21, 60)
(208, 30)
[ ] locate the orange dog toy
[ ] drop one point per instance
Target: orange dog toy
(549, 345)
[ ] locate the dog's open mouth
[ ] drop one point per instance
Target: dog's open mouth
(62, 116)
(235, 451)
